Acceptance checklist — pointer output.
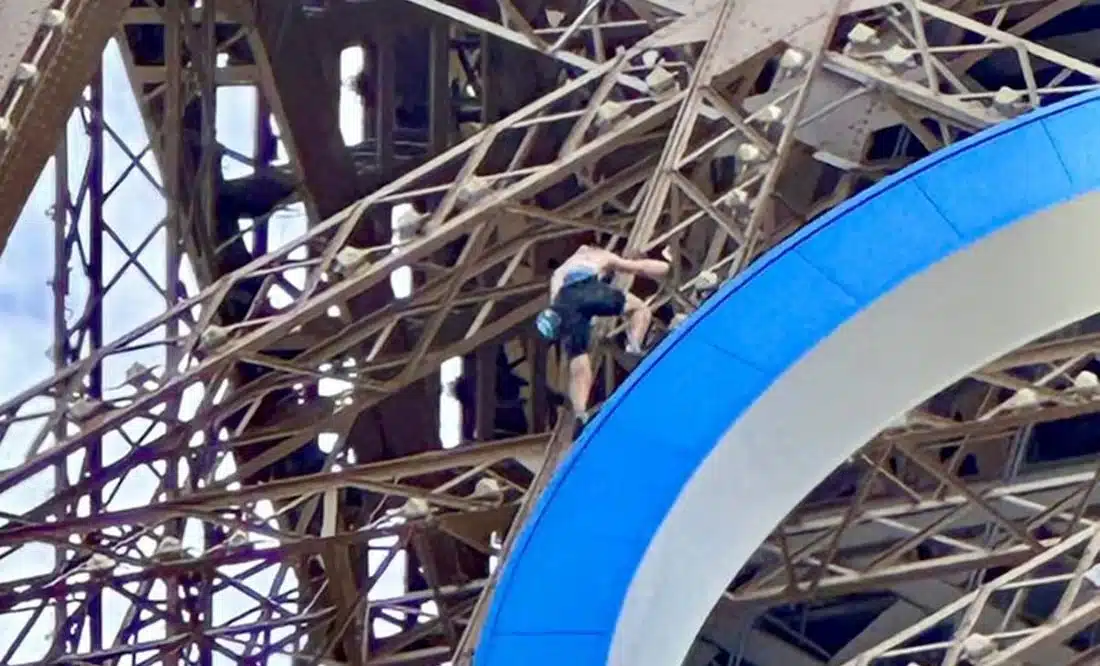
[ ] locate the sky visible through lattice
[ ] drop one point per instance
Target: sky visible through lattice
(26, 308)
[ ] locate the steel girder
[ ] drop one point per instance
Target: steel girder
(637, 134)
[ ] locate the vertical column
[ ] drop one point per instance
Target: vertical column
(170, 149)
(439, 90)
(204, 50)
(486, 400)
(172, 121)
(485, 73)
(384, 78)
(60, 349)
(539, 403)
(176, 231)
(94, 322)
(266, 148)
(78, 334)
(207, 176)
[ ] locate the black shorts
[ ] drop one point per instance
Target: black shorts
(578, 303)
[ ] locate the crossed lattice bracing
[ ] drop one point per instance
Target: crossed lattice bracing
(905, 488)
(979, 631)
(664, 136)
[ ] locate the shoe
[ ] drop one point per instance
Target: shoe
(580, 421)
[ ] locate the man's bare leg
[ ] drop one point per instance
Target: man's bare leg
(580, 384)
(638, 320)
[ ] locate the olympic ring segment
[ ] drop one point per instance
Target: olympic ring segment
(786, 372)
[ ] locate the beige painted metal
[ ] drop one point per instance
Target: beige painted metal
(489, 289)
(22, 31)
(36, 110)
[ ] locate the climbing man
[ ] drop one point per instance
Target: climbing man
(579, 292)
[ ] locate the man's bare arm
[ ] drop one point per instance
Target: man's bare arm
(652, 268)
(555, 284)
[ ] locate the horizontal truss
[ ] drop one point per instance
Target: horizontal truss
(636, 141)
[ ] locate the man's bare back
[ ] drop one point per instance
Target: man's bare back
(587, 258)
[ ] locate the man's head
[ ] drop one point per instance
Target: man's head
(548, 323)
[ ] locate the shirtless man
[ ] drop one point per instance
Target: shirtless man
(577, 294)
